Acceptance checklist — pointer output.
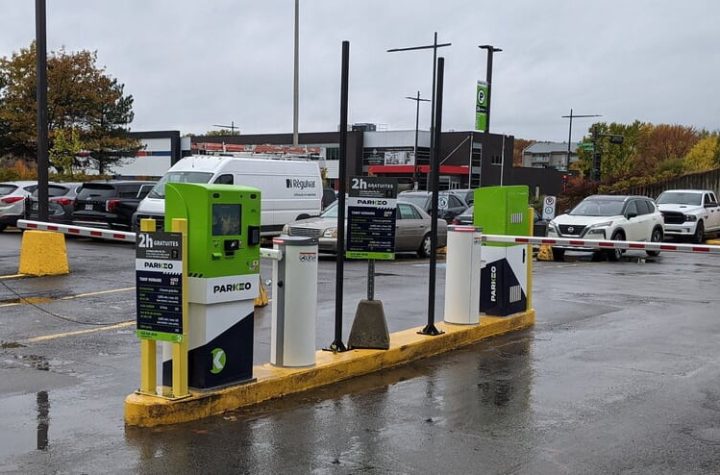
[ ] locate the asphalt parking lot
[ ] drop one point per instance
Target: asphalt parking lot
(621, 374)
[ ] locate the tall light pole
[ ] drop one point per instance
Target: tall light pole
(232, 127)
(571, 116)
(417, 124)
(488, 78)
(434, 47)
(296, 74)
(43, 159)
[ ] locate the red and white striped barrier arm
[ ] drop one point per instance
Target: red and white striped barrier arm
(77, 230)
(602, 244)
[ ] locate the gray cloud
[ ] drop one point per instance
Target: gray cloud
(193, 64)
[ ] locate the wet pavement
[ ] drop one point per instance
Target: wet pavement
(621, 374)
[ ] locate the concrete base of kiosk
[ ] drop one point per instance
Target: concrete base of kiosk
(274, 382)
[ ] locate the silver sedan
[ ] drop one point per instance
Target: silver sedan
(412, 229)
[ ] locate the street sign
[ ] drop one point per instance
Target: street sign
(371, 218)
(159, 289)
(548, 208)
(587, 146)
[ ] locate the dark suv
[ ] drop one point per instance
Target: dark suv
(109, 204)
(449, 203)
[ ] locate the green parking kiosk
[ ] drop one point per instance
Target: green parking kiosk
(223, 279)
(503, 280)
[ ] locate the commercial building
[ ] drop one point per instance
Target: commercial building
(467, 159)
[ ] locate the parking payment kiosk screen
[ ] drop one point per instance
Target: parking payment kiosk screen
(226, 219)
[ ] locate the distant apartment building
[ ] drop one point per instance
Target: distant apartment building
(549, 155)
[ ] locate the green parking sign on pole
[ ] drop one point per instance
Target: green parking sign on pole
(587, 146)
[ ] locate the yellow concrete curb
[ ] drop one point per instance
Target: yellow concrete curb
(273, 382)
(713, 242)
(43, 253)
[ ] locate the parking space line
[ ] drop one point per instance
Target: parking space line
(79, 332)
(99, 292)
(12, 276)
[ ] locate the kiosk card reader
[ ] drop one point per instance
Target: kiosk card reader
(223, 279)
(503, 281)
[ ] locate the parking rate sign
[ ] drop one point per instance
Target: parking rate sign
(371, 218)
(548, 208)
(159, 290)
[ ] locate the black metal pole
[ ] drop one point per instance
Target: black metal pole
(432, 109)
(42, 114)
(337, 344)
(488, 79)
(430, 328)
(415, 150)
(567, 162)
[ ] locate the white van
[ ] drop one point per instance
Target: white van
(290, 189)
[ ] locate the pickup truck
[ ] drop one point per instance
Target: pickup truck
(690, 213)
(109, 204)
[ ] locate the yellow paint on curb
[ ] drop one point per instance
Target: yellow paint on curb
(274, 382)
(713, 242)
(43, 253)
(262, 299)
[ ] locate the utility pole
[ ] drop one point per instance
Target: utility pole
(417, 124)
(571, 116)
(232, 127)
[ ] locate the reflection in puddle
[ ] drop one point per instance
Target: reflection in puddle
(43, 419)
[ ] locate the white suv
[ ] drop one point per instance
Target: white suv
(12, 201)
(690, 213)
(619, 218)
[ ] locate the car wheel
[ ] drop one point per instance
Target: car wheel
(558, 254)
(425, 246)
(699, 236)
(657, 236)
(3, 227)
(614, 255)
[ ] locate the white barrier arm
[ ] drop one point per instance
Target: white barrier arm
(73, 230)
(603, 244)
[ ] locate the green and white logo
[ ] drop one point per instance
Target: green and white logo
(218, 360)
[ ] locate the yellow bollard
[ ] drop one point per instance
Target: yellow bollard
(545, 253)
(262, 299)
(43, 253)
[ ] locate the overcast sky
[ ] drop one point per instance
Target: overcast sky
(192, 64)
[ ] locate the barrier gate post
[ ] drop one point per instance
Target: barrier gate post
(294, 310)
(462, 281)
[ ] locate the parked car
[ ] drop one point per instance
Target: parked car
(449, 204)
(412, 229)
(61, 203)
(465, 194)
(690, 213)
(619, 218)
(109, 204)
(12, 201)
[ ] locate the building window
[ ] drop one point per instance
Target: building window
(496, 160)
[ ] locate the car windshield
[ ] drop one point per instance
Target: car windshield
(158, 190)
(676, 198)
(598, 208)
(331, 211)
